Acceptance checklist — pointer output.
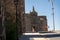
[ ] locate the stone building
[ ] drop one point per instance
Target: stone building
(9, 8)
(35, 23)
(10, 13)
(26, 22)
(2, 27)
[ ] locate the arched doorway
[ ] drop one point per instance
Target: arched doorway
(33, 29)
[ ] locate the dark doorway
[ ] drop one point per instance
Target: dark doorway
(33, 29)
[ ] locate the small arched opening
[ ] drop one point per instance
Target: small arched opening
(33, 29)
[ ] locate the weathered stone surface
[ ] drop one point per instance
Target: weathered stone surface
(27, 22)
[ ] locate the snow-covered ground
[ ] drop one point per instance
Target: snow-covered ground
(40, 33)
(41, 36)
(53, 38)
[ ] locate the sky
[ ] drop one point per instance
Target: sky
(44, 8)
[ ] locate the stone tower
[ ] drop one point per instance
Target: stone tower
(10, 8)
(10, 13)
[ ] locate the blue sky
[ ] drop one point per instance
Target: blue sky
(43, 7)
